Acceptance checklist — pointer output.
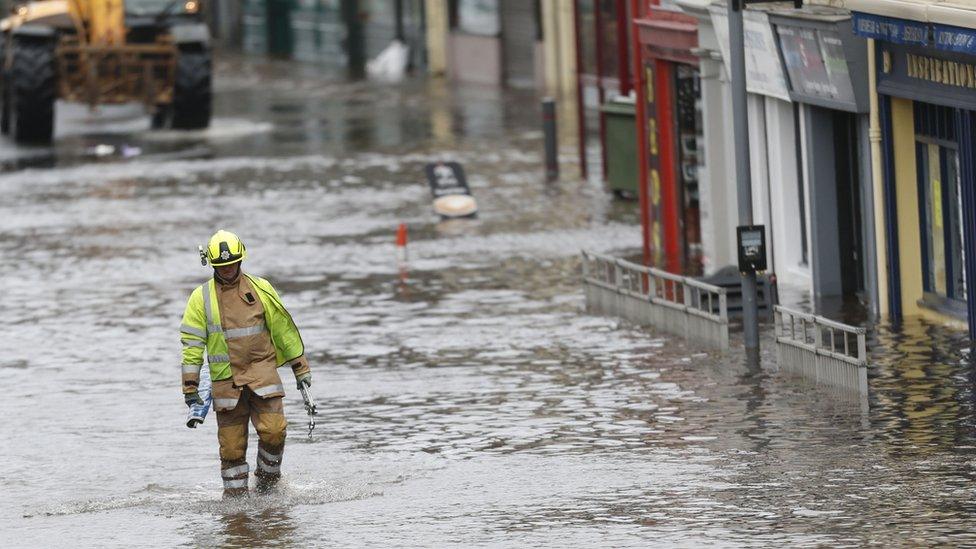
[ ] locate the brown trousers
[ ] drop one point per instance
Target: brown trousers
(268, 417)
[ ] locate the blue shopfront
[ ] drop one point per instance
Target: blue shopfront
(927, 106)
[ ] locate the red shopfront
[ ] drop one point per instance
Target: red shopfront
(672, 127)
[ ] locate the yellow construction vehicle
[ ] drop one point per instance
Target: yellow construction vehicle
(104, 52)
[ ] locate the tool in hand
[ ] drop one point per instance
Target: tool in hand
(309, 408)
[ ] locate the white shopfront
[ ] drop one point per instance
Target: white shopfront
(778, 196)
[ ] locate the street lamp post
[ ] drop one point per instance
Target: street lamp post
(743, 170)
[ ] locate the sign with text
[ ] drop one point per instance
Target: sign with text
(446, 178)
(927, 74)
(764, 72)
(816, 63)
(889, 29)
(955, 39)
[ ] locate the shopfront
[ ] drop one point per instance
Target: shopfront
(779, 193)
(674, 128)
(826, 67)
(927, 82)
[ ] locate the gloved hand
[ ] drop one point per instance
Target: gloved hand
(192, 398)
(303, 380)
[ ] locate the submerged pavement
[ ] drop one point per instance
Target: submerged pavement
(466, 401)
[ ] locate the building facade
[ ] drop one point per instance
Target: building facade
(925, 62)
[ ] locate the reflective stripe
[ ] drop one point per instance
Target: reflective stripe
(214, 329)
(206, 305)
(275, 469)
(217, 359)
(192, 343)
(192, 331)
(235, 471)
(264, 391)
(238, 483)
(244, 332)
(225, 403)
(192, 369)
(268, 456)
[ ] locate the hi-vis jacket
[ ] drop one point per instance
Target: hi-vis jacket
(202, 330)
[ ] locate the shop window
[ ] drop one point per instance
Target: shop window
(940, 215)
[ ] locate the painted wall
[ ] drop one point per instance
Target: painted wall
(716, 188)
(906, 185)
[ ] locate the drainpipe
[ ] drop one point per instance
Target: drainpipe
(877, 180)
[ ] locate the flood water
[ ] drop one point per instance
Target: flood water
(467, 400)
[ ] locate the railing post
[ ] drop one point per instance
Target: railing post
(862, 351)
(586, 266)
(723, 307)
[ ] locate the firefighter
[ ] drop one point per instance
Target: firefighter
(238, 319)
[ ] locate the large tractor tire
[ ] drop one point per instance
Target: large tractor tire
(30, 90)
(192, 93)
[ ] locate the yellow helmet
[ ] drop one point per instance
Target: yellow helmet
(225, 248)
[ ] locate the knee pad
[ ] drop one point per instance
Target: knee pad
(233, 441)
(271, 428)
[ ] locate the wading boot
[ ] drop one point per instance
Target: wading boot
(235, 480)
(269, 467)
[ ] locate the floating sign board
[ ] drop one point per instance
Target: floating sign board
(449, 187)
(764, 72)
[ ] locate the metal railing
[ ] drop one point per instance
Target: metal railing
(821, 349)
(650, 297)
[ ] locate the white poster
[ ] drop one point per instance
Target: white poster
(764, 72)
(479, 17)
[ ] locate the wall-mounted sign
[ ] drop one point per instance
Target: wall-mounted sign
(764, 72)
(927, 74)
(955, 39)
(825, 62)
(816, 63)
(889, 29)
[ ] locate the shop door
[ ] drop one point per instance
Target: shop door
(688, 125)
(849, 222)
(518, 42)
(281, 39)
